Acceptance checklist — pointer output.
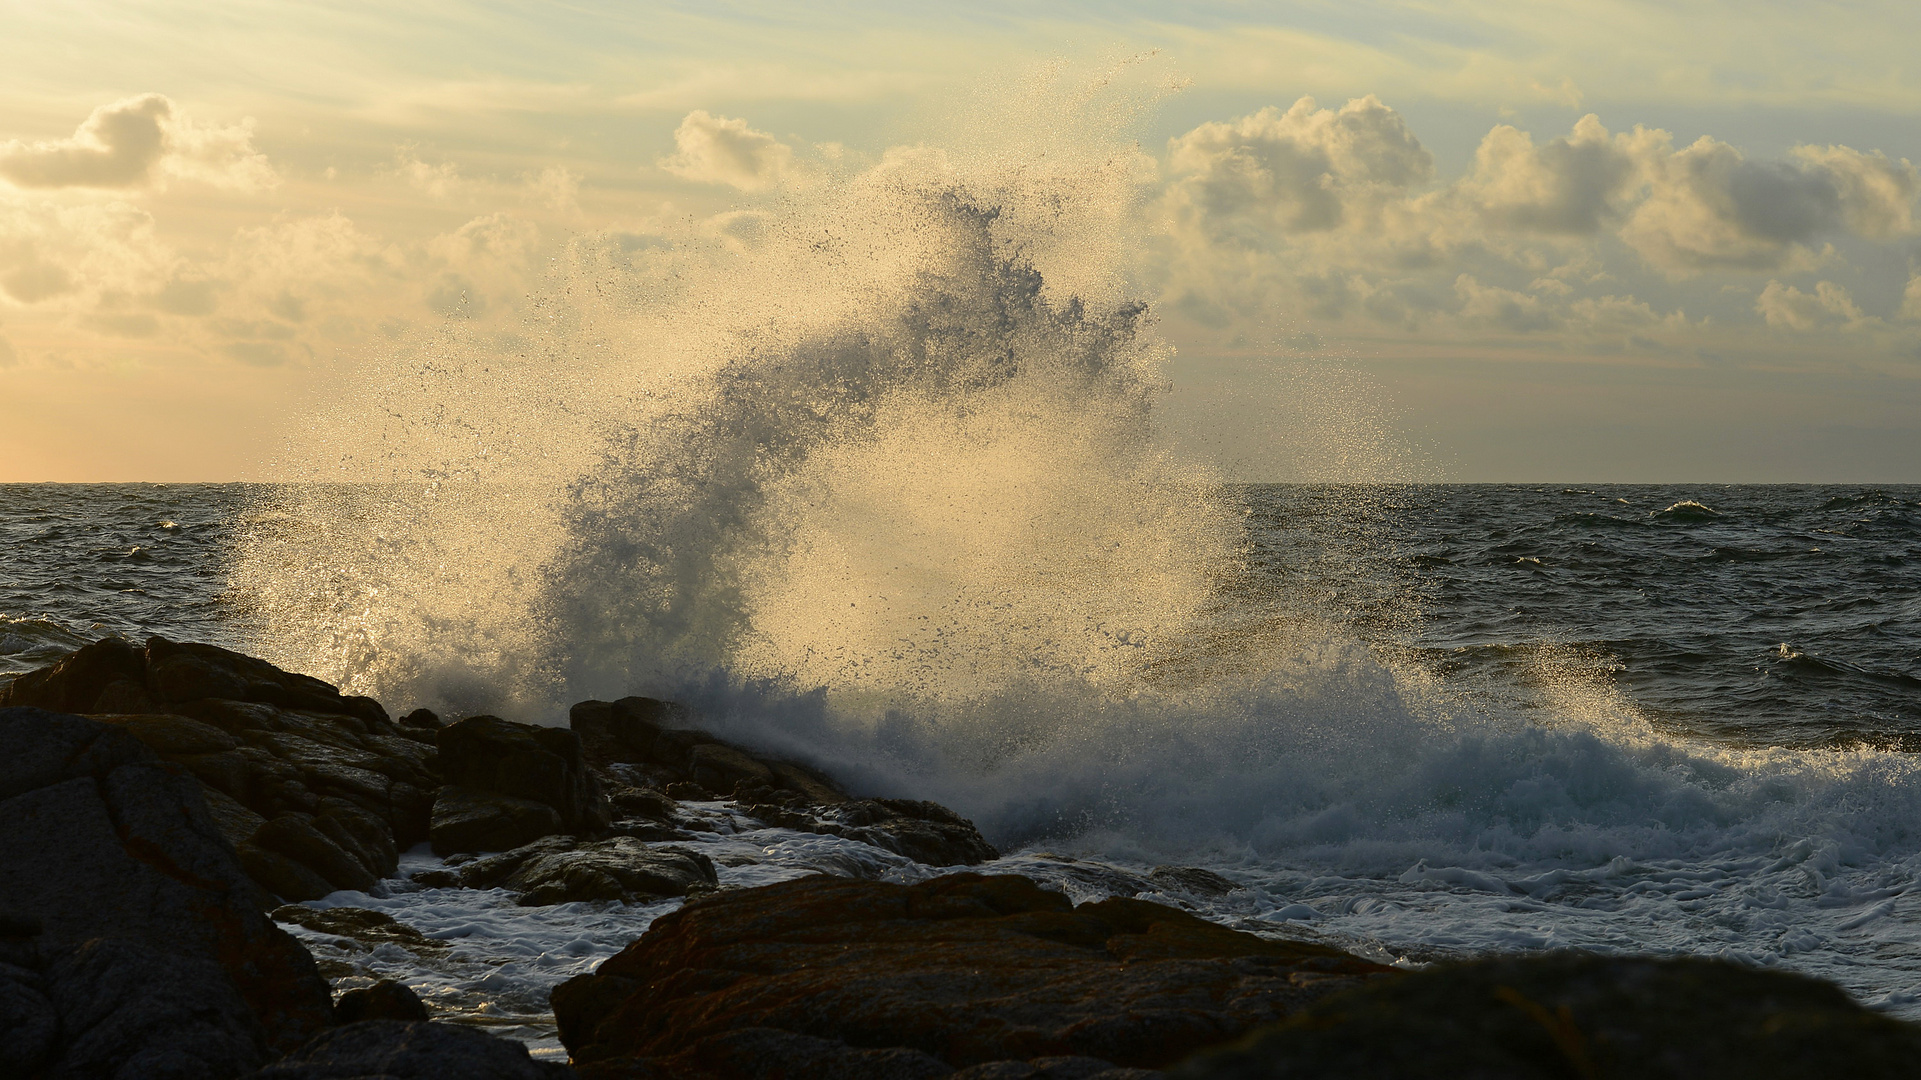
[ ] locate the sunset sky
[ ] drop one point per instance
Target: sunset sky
(1606, 241)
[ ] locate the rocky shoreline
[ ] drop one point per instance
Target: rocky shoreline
(167, 810)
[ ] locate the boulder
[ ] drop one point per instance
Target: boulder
(400, 1050)
(651, 734)
(498, 757)
(384, 1000)
(955, 972)
(466, 820)
(106, 841)
(922, 831)
(371, 928)
(559, 870)
(1578, 1015)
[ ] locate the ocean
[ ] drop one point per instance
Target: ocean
(1418, 721)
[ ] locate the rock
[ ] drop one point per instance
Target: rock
(399, 1050)
(1192, 880)
(558, 870)
(104, 840)
(646, 732)
(966, 969)
(127, 1010)
(371, 928)
(295, 836)
(268, 742)
(498, 757)
(922, 831)
(280, 875)
(467, 820)
(1572, 1014)
(1054, 1068)
(384, 1000)
(421, 718)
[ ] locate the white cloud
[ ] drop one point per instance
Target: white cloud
(717, 150)
(1573, 184)
(1506, 309)
(556, 188)
(1303, 170)
(439, 181)
(1788, 308)
(138, 142)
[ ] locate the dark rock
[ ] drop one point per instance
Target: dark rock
(558, 870)
(488, 754)
(295, 836)
(399, 1050)
(29, 1027)
(421, 718)
(370, 928)
(384, 1000)
(74, 683)
(1192, 880)
(104, 840)
(466, 820)
(127, 1010)
(1578, 1015)
(922, 831)
(280, 875)
(965, 969)
(632, 802)
(688, 791)
(645, 732)
(1054, 1068)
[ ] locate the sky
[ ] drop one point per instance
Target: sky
(1530, 242)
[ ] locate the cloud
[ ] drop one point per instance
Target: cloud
(1504, 308)
(435, 181)
(138, 142)
(716, 150)
(1711, 208)
(556, 188)
(1788, 308)
(1302, 170)
(8, 356)
(1571, 185)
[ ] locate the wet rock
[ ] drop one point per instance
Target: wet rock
(922, 831)
(466, 820)
(282, 876)
(106, 841)
(75, 683)
(545, 765)
(384, 1000)
(1577, 1015)
(296, 837)
(652, 735)
(399, 1050)
(966, 969)
(560, 870)
(371, 928)
(1192, 880)
(1054, 1068)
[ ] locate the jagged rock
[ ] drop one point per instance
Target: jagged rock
(1578, 1015)
(285, 877)
(499, 757)
(466, 820)
(399, 1050)
(124, 1009)
(965, 969)
(1192, 880)
(295, 836)
(384, 1000)
(559, 870)
(104, 840)
(371, 928)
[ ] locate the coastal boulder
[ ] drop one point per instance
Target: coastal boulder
(106, 842)
(964, 971)
(558, 870)
(1579, 1015)
(522, 761)
(402, 1050)
(650, 737)
(466, 820)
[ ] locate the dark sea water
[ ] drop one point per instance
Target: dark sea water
(1783, 615)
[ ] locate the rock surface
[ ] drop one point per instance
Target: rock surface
(318, 791)
(558, 870)
(106, 841)
(399, 1050)
(467, 821)
(1578, 1015)
(384, 1000)
(875, 979)
(522, 761)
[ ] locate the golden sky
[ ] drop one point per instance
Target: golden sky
(1596, 241)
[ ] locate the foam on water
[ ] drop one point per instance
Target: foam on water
(870, 475)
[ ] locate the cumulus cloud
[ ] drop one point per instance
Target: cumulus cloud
(1302, 170)
(556, 188)
(1709, 207)
(436, 181)
(712, 149)
(138, 142)
(1572, 184)
(1786, 307)
(1492, 305)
